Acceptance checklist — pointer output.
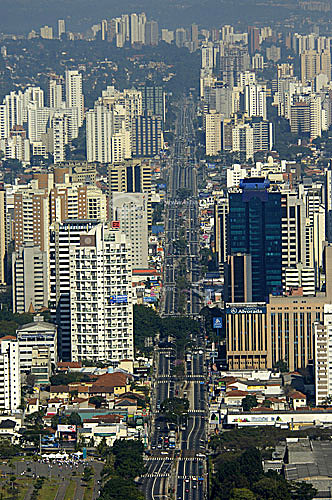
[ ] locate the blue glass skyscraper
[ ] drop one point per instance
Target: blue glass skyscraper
(255, 229)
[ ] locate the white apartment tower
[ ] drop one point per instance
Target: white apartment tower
(131, 210)
(74, 93)
(99, 135)
(323, 357)
(255, 100)
(62, 237)
(213, 143)
(10, 378)
(101, 296)
(30, 279)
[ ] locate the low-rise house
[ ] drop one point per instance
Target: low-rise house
(234, 398)
(60, 392)
(32, 406)
(9, 430)
(298, 400)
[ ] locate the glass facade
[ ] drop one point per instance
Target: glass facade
(255, 229)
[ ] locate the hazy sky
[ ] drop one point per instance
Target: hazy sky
(20, 16)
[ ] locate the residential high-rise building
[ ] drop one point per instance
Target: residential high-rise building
(36, 335)
(322, 357)
(131, 211)
(46, 32)
(31, 218)
(255, 229)
(3, 235)
(62, 237)
(99, 135)
(30, 279)
(243, 140)
(101, 296)
(55, 94)
(255, 100)
(61, 27)
(10, 377)
(74, 93)
(213, 136)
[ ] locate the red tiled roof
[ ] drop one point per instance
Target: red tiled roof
(59, 388)
(8, 337)
(298, 395)
(69, 364)
(237, 393)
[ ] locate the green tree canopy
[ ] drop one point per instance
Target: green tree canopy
(249, 402)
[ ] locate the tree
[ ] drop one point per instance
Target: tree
(174, 408)
(87, 473)
(242, 494)
(249, 402)
(119, 488)
(97, 401)
(74, 419)
(271, 488)
(302, 491)
(103, 448)
(281, 365)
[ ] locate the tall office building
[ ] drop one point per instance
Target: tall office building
(131, 211)
(151, 33)
(62, 237)
(101, 296)
(220, 231)
(131, 176)
(253, 39)
(238, 278)
(147, 136)
(293, 230)
(30, 279)
(255, 228)
(10, 377)
(153, 100)
(74, 93)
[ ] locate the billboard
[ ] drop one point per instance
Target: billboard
(217, 322)
(246, 310)
(118, 299)
(149, 300)
(66, 428)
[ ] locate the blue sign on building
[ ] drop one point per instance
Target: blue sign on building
(118, 299)
(217, 322)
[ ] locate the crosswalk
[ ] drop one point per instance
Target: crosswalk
(157, 474)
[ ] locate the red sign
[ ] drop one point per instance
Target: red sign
(116, 224)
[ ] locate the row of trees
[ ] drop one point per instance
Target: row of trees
(242, 478)
(148, 324)
(124, 462)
